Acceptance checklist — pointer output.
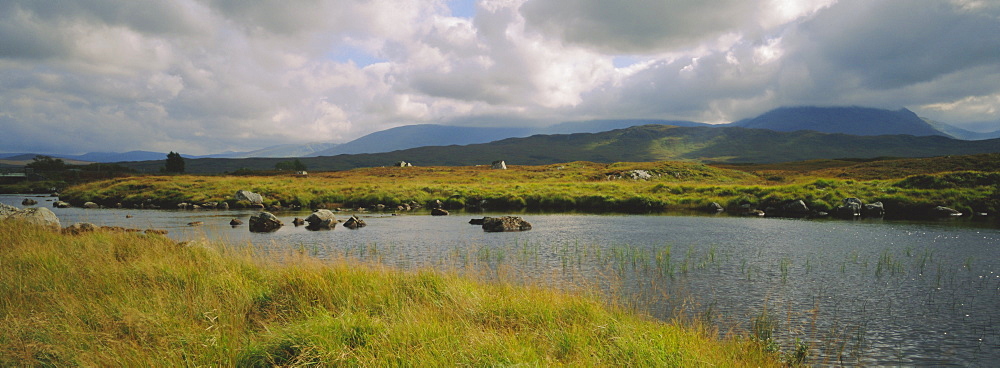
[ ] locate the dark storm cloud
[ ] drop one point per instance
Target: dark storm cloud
(638, 26)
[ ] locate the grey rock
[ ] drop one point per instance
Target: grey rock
(639, 175)
(941, 211)
(29, 202)
(354, 222)
(850, 208)
(224, 206)
(79, 228)
(439, 212)
(873, 210)
(91, 205)
(264, 222)
(505, 223)
(246, 195)
(797, 207)
(322, 219)
(499, 165)
(40, 216)
(714, 207)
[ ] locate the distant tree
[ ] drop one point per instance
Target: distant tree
(295, 165)
(175, 163)
(47, 163)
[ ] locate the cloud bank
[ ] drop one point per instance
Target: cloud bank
(203, 76)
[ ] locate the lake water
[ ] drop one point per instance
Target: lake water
(856, 292)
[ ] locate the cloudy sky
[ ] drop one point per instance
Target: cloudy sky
(205, 76)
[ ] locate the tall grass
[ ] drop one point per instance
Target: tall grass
(117, 299)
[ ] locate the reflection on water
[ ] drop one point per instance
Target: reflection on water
(856, 292)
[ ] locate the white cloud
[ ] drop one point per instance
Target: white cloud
(203, 76)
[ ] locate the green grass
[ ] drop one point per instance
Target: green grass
(119, 299)
(590, 187)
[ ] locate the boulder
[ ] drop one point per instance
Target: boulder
(223, 206)
(183, 206)
(29, 202)
(873, 210)
(477, 221)
(403, 164)
(6, 210)
(264, 222)
(714, 207)
(91, 205)
(210, 205)
(942, 212)
(235, 222)
(505, 223)
(354, 222)
(246, 195)
(638, 175)
(322, 219)
(754, 212)
(439, 212)
(40, 216)
(499, 165)
(79, 228)
(850, 208)
(795, 208)
(298, 222)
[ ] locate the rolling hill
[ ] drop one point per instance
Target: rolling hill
(641, 143)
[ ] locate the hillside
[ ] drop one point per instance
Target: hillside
(642, 143)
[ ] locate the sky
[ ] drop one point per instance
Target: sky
(208, 76)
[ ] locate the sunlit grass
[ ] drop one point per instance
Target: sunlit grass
(120, 299)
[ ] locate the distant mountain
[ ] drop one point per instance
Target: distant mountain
(960, 133)
(117, 156)
(847, 120)
(597, 126)
(282, 150)
(412, 136)
(641, 143)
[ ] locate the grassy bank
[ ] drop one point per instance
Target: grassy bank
(590, 187)
(116, 299)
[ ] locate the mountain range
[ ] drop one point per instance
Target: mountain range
(637, 144)
(860, 121)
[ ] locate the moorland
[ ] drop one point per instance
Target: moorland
(908, 188)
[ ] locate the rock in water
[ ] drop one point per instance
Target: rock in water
(439, 212)
(505, 223)
(91, 205)
(29, 202)
(298, 222)
(354, 222)
(321, 220)
(235, 222)
(264, 222)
